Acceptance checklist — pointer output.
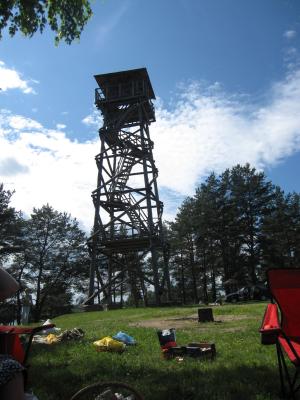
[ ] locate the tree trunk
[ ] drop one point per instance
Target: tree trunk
(194, 280)
(167, 274)
(204, 280)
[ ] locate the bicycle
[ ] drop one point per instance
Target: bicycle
(107, 391)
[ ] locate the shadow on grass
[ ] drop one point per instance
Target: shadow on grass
(60, 377)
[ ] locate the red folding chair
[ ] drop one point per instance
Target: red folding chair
(11, 343)
(284, 330)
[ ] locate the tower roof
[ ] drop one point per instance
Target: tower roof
(113, 78)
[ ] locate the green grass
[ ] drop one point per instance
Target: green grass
(243, 368)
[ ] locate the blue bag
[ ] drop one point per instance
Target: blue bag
(124, 338)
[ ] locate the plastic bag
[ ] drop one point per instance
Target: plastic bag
(49, 330)
(109, 344)
(123, 337)
(51, 338)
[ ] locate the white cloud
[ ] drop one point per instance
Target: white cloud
(50, 168)
(209, 131)
(11, 167)
(206, 130)
(20, 123)
(290, 34)
(60, 126)
(94, 119)
(12, 79)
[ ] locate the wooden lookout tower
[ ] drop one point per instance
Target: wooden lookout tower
(128, 212)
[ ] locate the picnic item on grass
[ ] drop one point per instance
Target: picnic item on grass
(124, 338)
(170, 349)
(109, 344)
(51, 338)
(48, 329)
(69, 334)
(167, 338)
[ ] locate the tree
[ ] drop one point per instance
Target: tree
(10, 221)
(207, 223)
(252, 196)
(182, 259)
(54, 261)
(294, 216)
(66, 18)
(281, 232)
(237, 225)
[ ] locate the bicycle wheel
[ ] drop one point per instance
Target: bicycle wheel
(108, 391)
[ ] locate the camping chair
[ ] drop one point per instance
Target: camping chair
(11, 343)
(284, 332)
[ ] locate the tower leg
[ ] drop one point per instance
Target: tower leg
(167, 274)
(92, 273)
(155, 275)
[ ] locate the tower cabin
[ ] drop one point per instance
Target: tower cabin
(125, 90)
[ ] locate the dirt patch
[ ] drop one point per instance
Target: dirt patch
(165, 323)
(234, 330)
(187, 322)
(226, 318)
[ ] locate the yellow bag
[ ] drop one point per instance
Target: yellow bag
(51, 338)
(109, 344)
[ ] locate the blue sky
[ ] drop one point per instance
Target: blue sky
(226, 74)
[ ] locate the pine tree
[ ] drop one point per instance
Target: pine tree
(54, 259)
(10, 225)
(182, 260)
(281, 232)
(251, 197)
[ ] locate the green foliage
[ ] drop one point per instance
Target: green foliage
(235, 227)
(58, 302)
(54, 260)
(252, 197)
(224, 237)
(10, 221)
(243, 369)
(66, 18)
(281, 231)
(183, 252)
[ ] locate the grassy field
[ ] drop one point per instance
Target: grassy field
(243, 368)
